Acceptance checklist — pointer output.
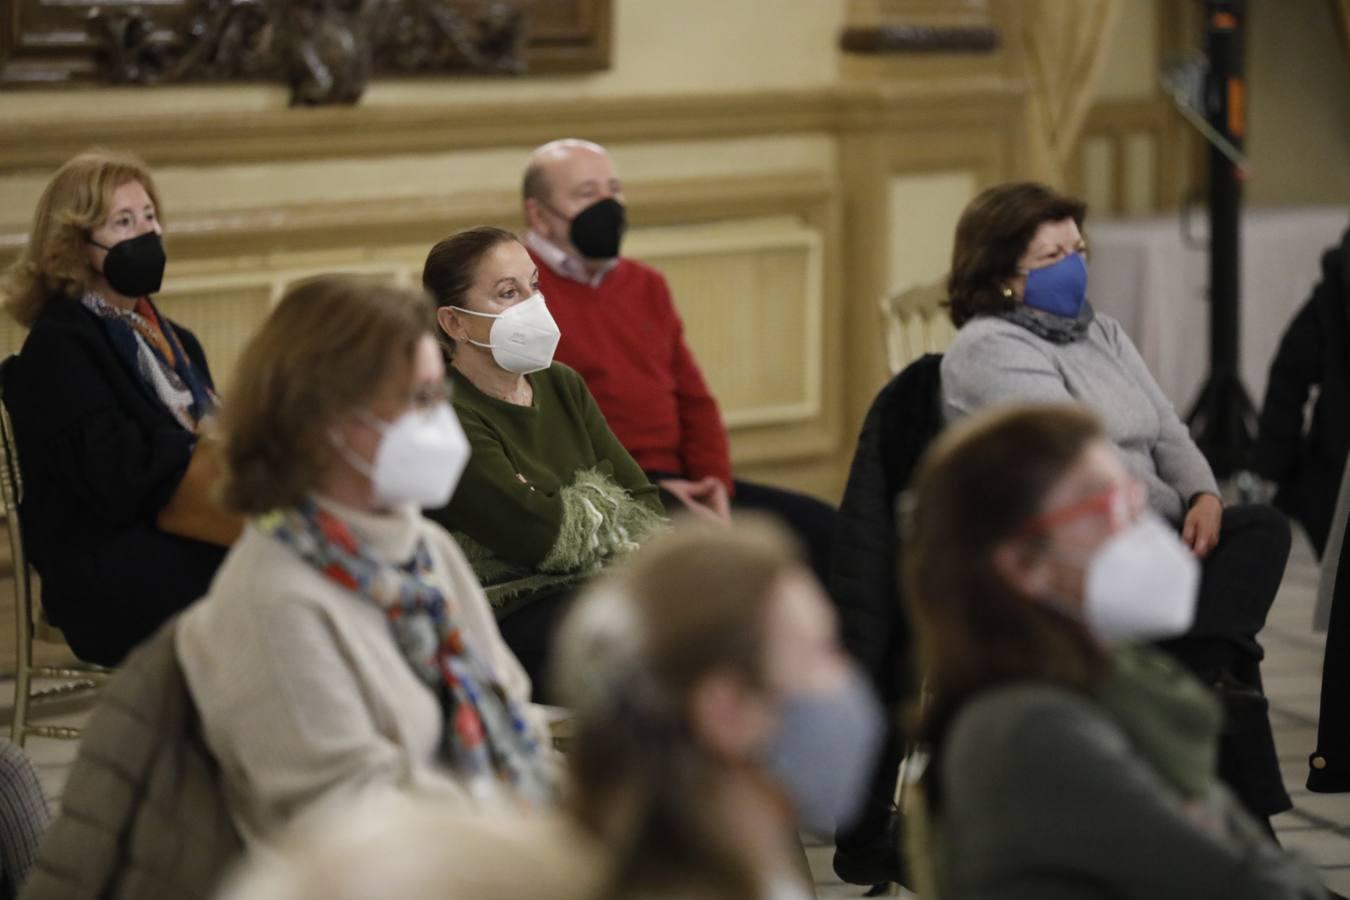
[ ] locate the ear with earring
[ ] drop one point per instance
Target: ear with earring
(1007, 292)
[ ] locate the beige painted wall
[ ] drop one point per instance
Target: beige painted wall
(1300, 104)
(659, 47)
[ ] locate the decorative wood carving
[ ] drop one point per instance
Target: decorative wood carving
(905, 39)
(325, 49)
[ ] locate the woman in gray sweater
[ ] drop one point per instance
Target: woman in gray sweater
(1018, 295)
(1068, 760)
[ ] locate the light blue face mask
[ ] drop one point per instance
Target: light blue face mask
(1059, 289)
(825, 749)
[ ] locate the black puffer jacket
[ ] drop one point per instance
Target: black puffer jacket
(904, 418)
(1315, 351)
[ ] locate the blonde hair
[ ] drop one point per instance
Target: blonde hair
(332, 344)
(690, 604)
(55, 262)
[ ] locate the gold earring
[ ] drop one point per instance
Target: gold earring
(1007, 292)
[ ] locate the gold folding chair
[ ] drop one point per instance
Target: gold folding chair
(73, 682)
(915, 322)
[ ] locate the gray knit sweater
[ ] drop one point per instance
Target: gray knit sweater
(994, 361)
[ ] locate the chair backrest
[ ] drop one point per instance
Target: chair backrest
(11, 482)
(11, 495)
(915, 322)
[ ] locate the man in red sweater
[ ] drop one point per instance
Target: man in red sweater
(621, 331)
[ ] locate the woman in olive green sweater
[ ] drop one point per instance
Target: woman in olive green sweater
(549, 496)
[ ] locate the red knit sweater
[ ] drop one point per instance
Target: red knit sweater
(627, 341)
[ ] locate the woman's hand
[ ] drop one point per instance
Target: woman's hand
(1200, 531)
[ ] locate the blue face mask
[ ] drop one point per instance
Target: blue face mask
(1058, 289)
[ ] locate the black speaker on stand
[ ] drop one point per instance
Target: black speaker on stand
(1223, 419)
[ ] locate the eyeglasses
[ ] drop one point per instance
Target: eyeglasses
(1056, 255)
(1120, 504)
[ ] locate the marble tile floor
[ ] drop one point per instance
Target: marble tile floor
(1318, 826)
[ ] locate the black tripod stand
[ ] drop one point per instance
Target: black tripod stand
(1223, 419)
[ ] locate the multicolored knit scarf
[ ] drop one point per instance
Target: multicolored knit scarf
(485, 739)
(176, 383)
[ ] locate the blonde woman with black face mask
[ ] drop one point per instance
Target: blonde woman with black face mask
(112, 404)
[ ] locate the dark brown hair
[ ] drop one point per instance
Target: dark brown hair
(978, 484)
(452, 265)
(690, 604)
(994, 231)
(332, 344)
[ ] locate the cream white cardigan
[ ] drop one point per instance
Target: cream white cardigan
(303, 693)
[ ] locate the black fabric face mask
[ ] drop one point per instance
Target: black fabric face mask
(598, 229)
(134, 267)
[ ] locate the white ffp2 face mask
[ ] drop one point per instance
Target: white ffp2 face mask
(523, 338)
(1141, 585)
(420, 458)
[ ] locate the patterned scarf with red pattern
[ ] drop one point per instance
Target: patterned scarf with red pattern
(485, 738)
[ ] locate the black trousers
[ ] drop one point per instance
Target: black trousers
(529, 630)
(1330, 772)
(811, 520)
(108, 598)
(1237, 588)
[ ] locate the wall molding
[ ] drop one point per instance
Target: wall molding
(198, 239)
(687, 241)
(282, 135)
(1117, 122)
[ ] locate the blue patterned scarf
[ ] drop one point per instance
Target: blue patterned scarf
(177, 383)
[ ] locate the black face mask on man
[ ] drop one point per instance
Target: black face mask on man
(598, 229)
(134, 267)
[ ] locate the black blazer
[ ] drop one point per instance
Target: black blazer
(100, 456)
(1307, 463)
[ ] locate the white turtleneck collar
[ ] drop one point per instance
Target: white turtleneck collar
(391, 534)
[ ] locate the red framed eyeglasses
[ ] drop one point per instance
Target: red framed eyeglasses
(1120, 504)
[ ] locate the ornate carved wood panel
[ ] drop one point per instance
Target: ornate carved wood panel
(324, 48)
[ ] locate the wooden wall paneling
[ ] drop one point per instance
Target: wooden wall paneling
(750, 295)
(330, 233)
(869, 165)
(866, 235)
(373, 131)
(754, 297)
(223, 317)
(1120, 124)
(811, 455)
